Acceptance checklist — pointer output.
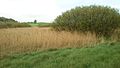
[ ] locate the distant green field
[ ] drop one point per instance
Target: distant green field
(101, 56)
(40, 24)
(33, 25)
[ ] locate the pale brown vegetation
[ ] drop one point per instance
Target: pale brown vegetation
(18, 40)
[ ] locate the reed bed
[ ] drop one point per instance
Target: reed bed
(19, 40)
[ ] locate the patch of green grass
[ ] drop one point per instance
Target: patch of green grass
(100, 56)
(33, 24)
(40, 24)
(44, 24)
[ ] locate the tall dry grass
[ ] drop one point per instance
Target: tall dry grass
(18, 40)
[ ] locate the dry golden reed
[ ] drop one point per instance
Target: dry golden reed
(19, 40)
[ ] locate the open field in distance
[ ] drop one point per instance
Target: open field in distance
(40, 24)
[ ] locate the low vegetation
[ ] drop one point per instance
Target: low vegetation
(101, 56)
(19, 40)
(44, 25)
(11, 23)
(34, 24)
(40, 24)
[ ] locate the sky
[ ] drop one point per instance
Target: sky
(45, 10)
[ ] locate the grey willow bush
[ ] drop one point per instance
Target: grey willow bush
(100, 20)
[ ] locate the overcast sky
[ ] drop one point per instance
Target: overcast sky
(45, 10)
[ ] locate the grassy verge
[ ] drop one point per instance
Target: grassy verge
(100, 56)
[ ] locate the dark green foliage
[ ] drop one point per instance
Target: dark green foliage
(21, 25)
(35, 21)
(102, 56)
(10, 23)
(3, 19)
(95, 19)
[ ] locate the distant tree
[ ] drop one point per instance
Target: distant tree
(11, 23)
(35, 21)
(7, 20)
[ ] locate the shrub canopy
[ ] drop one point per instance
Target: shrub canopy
(100, 20)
